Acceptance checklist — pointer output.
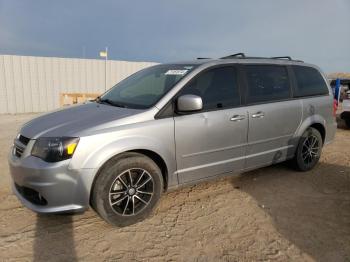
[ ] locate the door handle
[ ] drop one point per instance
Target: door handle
(258, 115)
(237, 118)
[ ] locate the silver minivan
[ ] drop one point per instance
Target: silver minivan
(171, 125)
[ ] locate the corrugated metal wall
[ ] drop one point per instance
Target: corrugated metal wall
(33, 84)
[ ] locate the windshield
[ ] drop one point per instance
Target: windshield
(144, 88)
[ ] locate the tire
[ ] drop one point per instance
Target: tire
(121, 194)
(347, 122)
(305, 158)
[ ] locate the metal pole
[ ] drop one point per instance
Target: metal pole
(106, 68)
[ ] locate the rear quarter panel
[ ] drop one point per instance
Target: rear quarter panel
(318, 110)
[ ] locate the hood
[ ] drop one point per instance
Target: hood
(75, 119)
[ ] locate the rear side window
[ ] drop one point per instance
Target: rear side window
(309, 82)
(267, 83)
(218, 88)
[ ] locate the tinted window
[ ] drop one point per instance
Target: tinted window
(267, 83)
(217, 87)
(309, 82)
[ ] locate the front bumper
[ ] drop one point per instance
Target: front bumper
(50, 187)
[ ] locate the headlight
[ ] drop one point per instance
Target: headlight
(54, 149)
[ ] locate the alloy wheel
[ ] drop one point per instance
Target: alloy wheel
(310, 149)
(131, 192)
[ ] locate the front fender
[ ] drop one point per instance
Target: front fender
(97, 158)
(93, 151)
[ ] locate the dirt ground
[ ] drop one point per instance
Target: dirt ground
(270, 214)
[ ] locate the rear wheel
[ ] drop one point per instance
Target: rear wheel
(309, 150)
(347, 122)
(127, 189)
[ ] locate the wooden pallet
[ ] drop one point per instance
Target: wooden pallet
(67, 99)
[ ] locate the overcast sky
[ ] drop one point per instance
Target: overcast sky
(317, 31)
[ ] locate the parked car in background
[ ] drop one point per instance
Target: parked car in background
(345, 112)
(171, 125)
(344, 99)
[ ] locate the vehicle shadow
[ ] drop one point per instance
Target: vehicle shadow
(54, 238)
(311, 210)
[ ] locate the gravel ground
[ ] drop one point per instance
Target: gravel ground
(272, 213)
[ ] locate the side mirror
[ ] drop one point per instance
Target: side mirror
(189, 103)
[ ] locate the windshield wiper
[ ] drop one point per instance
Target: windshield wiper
(110, 102)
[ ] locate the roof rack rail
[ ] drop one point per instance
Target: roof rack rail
(287, 57)
(282, 57)
(242, 55)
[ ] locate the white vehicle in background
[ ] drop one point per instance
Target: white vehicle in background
(345, 110)
(344, 100)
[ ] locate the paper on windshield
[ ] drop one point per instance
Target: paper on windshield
(176, 72)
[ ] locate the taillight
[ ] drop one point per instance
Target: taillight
(335, 107)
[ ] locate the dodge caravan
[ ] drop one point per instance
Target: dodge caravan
(171, 125)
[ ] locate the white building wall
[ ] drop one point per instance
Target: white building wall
(33, 84)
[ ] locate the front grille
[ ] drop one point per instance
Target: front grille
(31, 195)
(18, 151)
(20, 145)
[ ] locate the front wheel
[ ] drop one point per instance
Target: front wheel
(127, 189)
(309, 149)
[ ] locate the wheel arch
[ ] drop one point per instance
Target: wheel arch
(155, 157)
(320, 128)
(158, 160)
(315, 121)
